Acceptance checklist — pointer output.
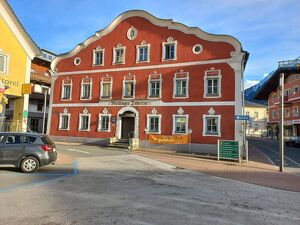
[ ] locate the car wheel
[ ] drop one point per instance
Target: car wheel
(29, 164)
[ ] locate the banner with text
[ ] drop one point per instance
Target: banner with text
(168, 139)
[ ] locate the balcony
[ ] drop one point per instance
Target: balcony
(289, 64)
(40, 77)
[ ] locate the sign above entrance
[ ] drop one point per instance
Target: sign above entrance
(128, 103)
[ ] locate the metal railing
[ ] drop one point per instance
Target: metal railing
(289, 63)
(11, 126)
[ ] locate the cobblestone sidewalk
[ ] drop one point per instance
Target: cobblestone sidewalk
(257, 170)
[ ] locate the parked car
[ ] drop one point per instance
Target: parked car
(293, 142)
(27, 151)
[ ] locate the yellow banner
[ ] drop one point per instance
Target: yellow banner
(168, 139)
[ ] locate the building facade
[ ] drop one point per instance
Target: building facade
(142, 75)
(40, 81)
(258, 114)
(16, 52)
(271, 91)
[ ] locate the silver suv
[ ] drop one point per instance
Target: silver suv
(27, 151)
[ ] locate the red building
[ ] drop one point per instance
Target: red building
(270, 91)
(142, 75)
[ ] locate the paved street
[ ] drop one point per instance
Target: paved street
(270, 148)
(113, 187)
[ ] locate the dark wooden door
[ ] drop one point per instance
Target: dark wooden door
(127, 127)
(298, 130)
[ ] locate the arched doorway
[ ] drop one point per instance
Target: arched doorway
(127, 123)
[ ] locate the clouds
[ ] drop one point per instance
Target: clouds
(268, 31)
(250, 83)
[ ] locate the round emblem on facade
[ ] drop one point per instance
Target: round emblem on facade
(131, 33)
(197, 49)
(77, 61)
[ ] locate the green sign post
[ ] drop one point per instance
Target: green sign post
(228, 149)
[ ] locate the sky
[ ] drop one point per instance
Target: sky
(268, 30)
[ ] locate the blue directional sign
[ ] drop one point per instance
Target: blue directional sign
(241, 117)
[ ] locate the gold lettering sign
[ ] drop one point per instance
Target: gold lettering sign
(168, 139)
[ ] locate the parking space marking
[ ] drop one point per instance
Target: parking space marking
(52, 175)
(75, 150)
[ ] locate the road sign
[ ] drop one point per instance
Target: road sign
(228, 150)
(241, 117)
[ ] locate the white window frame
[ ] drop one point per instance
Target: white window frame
(81, 89)
(205, 125)
(94, 56)
(149, 86)
(5, 64)
(159, 123)
(123, 91)
(89, 122)
(295, 107)
(287, 112)
(175, 86)
(115, 55)
(206, 78)
(137, 60)
(60, 121)
(186, 124)
(63, 92)
(168, 42)
(101, 88)
(99, 122)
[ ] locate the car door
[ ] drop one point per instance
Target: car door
(2, 138)
(13, 148)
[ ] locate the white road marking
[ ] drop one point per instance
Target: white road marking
(75, 150)
(278, 154)
(267, 157)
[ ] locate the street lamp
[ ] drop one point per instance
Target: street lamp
(281, 141)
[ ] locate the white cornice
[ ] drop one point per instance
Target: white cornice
(149, 103)
(170, 65)
(18, 30)
(156, 21)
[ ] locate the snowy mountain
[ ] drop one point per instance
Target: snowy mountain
(251, 92)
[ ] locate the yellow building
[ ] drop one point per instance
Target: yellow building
(16, 52)
(258, 118)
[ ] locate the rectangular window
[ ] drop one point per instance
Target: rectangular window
(104, 123)
(211, 125)
(84, 122)
(143, 53)
(119, 55)
(295, 111)
(180, 124)
(181, 88)
(106, 90)
(212, 86)
(154, 124)
(85, 91)
(3, 63)
(169, 51)
(287, 112)
(40, 106)
(128, 89)
(64, 122)
(154, 89)
(256, 115)
(98, 57)
(273, 114)
(66, 91)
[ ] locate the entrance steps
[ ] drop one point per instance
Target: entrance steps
(120, 144)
